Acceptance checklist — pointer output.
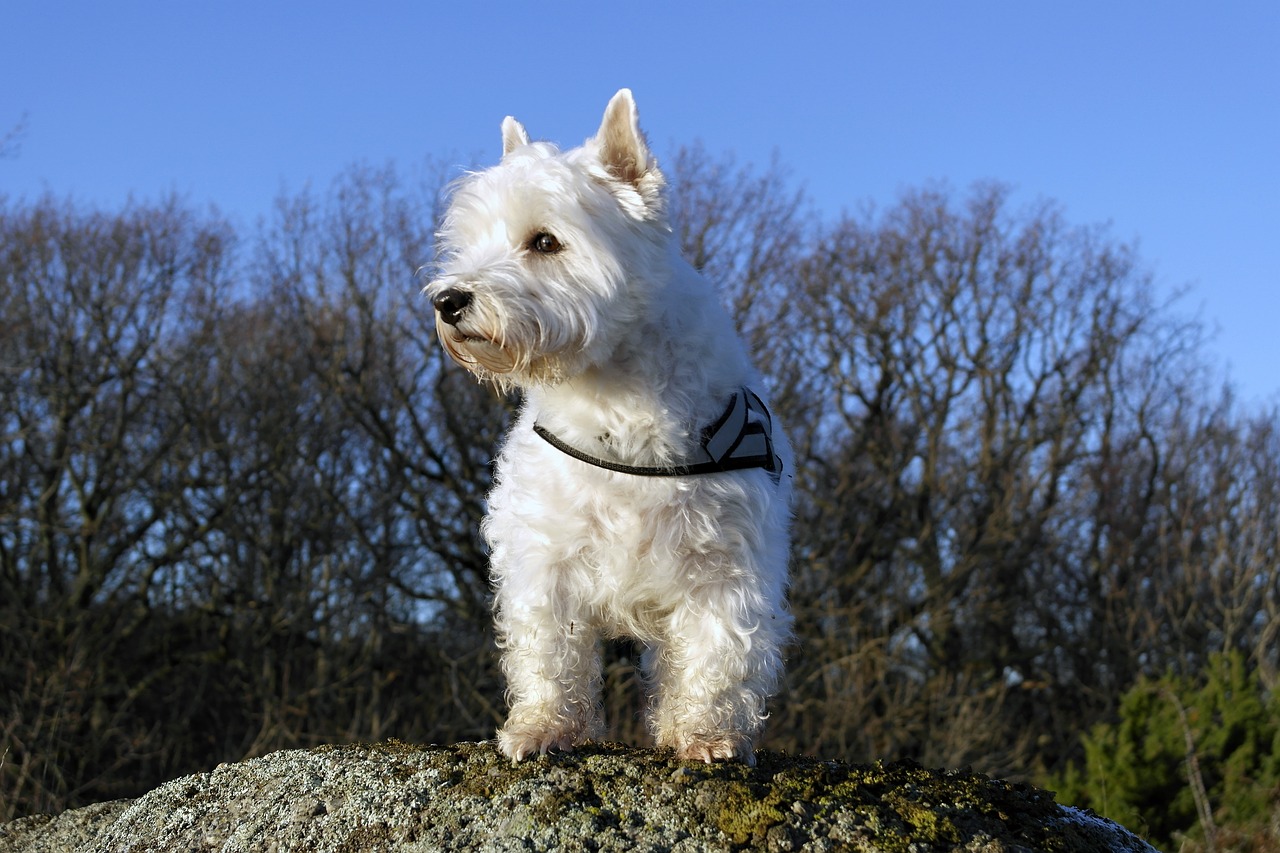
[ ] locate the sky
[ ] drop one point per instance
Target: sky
(1159, 119)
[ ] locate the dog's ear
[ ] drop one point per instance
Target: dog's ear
(623, 150)
(622, 147)
(513, 135)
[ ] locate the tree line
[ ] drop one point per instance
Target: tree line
(240, 484)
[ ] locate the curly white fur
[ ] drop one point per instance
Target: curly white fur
(560, 276)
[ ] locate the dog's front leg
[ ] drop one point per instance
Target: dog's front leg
(712, 673)
(553, 671)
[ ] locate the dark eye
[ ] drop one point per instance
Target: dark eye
(544, 243)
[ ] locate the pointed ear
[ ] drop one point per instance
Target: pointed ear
(623, 150)
(513, 135)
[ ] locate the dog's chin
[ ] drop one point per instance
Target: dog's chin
(496, 363)
(479, 355)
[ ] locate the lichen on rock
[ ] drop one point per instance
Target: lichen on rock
(604, 797)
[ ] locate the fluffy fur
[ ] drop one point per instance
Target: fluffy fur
(560, 277)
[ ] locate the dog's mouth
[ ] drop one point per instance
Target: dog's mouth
(473, 342)
(476, 352)
(495, 358)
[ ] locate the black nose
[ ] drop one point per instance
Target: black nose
(451, 303)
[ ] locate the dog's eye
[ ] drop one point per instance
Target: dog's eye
(544, 243)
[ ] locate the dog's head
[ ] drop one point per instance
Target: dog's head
(547, 259)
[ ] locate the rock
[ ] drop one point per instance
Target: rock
(70, 830)
(393, 796)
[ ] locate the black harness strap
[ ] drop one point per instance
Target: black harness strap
(740, 438)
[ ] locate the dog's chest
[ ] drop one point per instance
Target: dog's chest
(620, 542)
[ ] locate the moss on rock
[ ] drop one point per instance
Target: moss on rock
(604, 797)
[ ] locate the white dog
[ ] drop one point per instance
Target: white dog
(644, 489)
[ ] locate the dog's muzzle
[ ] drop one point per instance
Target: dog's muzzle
(451, 304)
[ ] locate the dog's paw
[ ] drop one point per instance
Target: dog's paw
(711, 751)
(521, 743)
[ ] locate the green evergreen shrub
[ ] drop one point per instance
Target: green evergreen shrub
(1138, 771)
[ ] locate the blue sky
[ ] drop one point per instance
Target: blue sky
(1162, 119)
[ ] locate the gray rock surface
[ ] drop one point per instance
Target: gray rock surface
(394, 796)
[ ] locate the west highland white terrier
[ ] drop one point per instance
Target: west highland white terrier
(644, 488)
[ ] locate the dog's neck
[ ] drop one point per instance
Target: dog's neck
(648, 401)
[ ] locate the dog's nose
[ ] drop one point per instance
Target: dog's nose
(451, 303)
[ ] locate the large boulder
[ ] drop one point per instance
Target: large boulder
(394, 796)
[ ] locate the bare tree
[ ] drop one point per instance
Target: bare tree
(353, 269)
(11, 141)
(981, 372)
(88, 303)
(240, 485)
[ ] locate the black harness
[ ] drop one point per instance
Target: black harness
(740, 438)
